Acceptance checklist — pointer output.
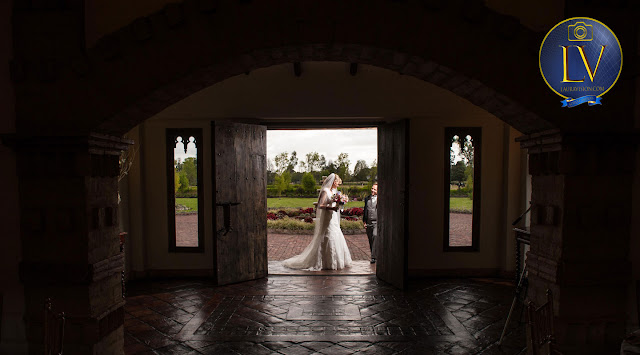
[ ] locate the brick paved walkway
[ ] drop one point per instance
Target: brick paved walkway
(284, 246)
(279, 246)
(187, 230)
(460, 229)
(320, 315)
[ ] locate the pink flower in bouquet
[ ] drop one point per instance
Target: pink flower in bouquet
(340, 198)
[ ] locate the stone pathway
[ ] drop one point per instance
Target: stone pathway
(320, 315)
(284, 246)
(187, 230)
(460, 229)
(279, 246)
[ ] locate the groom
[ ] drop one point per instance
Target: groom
(370, 219)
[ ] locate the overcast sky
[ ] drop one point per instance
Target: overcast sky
(358, 143)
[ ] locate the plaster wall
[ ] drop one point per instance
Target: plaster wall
(426, 229)
(325, 89)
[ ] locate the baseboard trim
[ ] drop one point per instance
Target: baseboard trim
(170, 273)
(507, 274)
(475, 272)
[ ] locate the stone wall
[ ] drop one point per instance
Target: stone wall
(70, 243)
(580, 232)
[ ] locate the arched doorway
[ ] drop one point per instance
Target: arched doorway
(160, 59)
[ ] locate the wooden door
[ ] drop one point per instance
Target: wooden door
(393, 181)
(240, 201)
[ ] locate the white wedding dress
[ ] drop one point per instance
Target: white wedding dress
(328, 249)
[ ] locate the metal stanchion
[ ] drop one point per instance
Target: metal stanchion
(513, 304)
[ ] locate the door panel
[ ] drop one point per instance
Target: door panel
(240, 201)
(393, 178)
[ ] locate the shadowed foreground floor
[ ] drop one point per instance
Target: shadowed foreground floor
(320, 315)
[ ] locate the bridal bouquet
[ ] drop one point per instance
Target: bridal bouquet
(340, 199)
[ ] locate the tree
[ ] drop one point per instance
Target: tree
(322, 162)
(282, 182)
(176, 183)
(458, 175)
(282, 162)
(184, 182)
(190, 167)
(293, 162)
(343, 165)
(466, 149)
(452, 154)
(309, 183)
(328, 168)
(373, 173)
(469, 183)
(296, 177)
(313, 162)
(361, 171)
(270, 166)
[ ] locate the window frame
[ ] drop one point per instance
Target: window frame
(171, 136)
(476, 134)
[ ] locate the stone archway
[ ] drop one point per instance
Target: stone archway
(162, 58)
(473, 90)
(166, 56)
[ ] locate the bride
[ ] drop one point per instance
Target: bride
(328, 248)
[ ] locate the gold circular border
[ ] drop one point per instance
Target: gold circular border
(560, 23)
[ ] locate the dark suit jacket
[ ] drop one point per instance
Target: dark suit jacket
(365, 218)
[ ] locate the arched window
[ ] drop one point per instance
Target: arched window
(184, 190)
(462, 188)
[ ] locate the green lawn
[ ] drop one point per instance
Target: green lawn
(294, 202)
(456, 204)
(461, 204)
(191, 202)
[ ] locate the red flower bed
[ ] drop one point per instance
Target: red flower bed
(294, 214)
(351, 218)
(308, 219)
(354, 211)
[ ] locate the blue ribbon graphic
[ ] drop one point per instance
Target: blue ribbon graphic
(591, 99)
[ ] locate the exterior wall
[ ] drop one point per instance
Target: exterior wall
(327, 90)
(11, 290)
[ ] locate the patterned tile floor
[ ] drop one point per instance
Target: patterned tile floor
(320, 315)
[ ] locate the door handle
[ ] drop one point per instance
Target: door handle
(226, 210)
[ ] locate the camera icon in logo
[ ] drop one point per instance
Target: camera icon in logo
(580, 31)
